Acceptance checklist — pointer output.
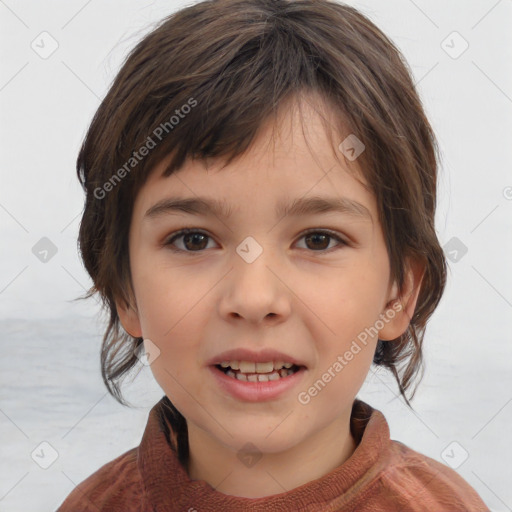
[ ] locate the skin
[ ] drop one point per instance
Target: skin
(300, 296)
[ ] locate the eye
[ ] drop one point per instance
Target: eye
(318, 240)
(192, 240)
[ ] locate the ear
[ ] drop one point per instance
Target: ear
(129, 317)
(402, 303)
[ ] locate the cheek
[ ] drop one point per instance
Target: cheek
(174, 312)
(167, 297)
(344, 305)
(344, 338)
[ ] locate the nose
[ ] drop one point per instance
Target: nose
(255, 291)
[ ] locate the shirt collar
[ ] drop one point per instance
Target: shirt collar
(163, 451)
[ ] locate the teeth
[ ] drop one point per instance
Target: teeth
(247, 367)
(264, 367)
(254, 377)
(251, 367)
(272, 376)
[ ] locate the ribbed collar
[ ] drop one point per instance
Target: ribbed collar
(164, 449)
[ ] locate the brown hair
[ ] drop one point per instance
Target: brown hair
(202, 83)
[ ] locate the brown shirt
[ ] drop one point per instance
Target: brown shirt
(381, 475)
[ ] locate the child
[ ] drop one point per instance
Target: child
(287, 140)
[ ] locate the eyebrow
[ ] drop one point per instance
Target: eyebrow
(302, 206)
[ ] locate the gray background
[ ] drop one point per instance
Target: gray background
(51, 390)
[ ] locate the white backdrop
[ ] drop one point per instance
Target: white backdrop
(58, 58)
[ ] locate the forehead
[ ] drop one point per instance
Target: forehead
(295, 163)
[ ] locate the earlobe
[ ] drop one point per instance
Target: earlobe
(129, 318)
(400, 308)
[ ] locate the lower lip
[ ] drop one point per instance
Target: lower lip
(257, 391)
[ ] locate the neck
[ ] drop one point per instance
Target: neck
(268, 473)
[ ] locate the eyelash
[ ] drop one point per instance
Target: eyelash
(187, 231)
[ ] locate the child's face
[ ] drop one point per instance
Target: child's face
(307, 297)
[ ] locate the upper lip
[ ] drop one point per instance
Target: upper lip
(263, 356)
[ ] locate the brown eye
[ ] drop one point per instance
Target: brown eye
(192, 241)
(318, 241)
(321, 240)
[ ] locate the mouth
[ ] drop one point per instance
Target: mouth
(248, 371)
(250, 376)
